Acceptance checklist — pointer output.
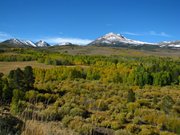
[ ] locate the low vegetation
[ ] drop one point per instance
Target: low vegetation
(92, 95)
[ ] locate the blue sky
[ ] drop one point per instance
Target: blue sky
(81, 21)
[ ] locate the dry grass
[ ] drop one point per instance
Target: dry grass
(5, 67)
(108, 51)
(33, 127)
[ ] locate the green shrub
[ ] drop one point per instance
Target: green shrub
(18, 95)
(77, 112)
(137, 120)
(86, 129)
(131, 96)
(133, 128)
(121, 118)
(133, 106)
(148, 130)
(115, 125)
(31, 95)
(66, 120)
(167, 103)
(122, 132)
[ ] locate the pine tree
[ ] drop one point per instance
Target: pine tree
(131, 96)
(28, 77)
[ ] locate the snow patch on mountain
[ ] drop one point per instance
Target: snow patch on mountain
(29, 43)
(172, 44)
(42, 43)
(113, 39)
(20, 42)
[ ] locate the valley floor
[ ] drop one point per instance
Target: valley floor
(73, 91)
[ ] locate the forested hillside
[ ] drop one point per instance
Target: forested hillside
(92, 94)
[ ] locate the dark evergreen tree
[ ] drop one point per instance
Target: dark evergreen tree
(18, 78)
(1, 86)
(28, 77)
(131, 96)
(6, 92)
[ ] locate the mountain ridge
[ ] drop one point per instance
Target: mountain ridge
(24, 43)
(42, 43)
(109, 40)
(117, 40)
(112, 38)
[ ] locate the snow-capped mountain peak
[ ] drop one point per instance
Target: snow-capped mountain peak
(42, 43)
(28, 42)
(116, 39)
(15, 40)
(20, 42)
(171, 44)
(112, 37)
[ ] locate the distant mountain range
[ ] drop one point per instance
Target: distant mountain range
(27, 43)
(117, 40)
(24, 43)
(109, 40)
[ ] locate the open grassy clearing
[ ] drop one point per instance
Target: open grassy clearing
(5, 67)
(108, 51)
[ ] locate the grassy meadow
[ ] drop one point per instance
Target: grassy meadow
(6, 67)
